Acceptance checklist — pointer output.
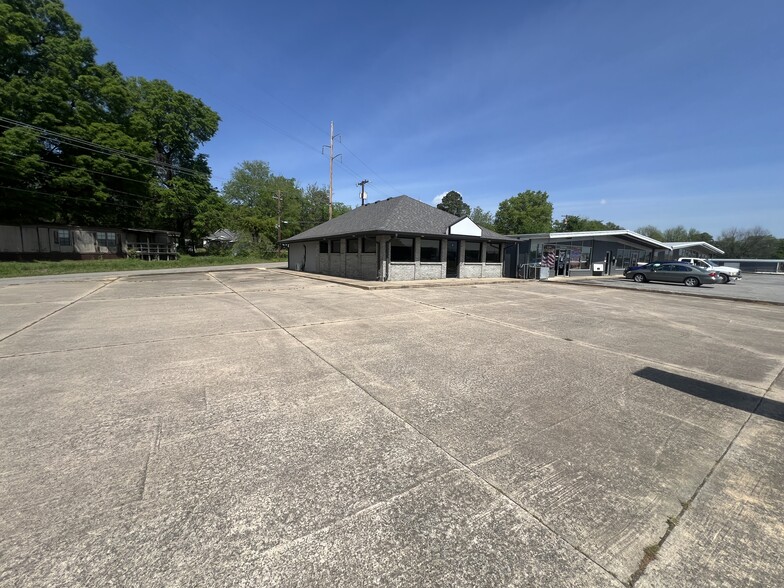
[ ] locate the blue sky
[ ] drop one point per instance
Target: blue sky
(662, 113)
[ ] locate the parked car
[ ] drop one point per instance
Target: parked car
(671, 271)
(724, 273)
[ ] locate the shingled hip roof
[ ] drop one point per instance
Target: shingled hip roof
(399, 215)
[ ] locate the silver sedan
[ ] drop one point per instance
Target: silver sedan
(672, 272)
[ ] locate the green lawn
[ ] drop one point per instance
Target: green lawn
(13, 269)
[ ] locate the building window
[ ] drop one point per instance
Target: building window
(106, 239)
(430, 250)
(352, 245)
(62, 237)
(402, 249)
(493, 253)
(473, 252)
(629, 257)
(334, 246)
(368, 245)
(323, 246)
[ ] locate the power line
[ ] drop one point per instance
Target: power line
(92, 200)
(93, 171)
(111, 191)
(98, 148)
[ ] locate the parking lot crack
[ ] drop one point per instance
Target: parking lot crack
(35, 322)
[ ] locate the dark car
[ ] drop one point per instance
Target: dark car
(671, 271)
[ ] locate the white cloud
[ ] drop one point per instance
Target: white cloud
(603, 201)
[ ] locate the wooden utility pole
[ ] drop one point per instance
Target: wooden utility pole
(331, 160)
(279, 197)
(362, 195)
(332, 156)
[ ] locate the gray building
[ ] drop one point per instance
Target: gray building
(700, 249)
(398, 239)
(582, 253)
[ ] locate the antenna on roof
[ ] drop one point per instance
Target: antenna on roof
(362, 194)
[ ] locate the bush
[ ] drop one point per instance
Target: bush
(247, 248)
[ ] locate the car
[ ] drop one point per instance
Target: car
(671, 271)
(724, 273)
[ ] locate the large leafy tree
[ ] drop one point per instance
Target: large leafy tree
(81, 144)
(315, 206)
(56, 104)
(452, 202)
(483, 218)
(257, 196)
(528, 212)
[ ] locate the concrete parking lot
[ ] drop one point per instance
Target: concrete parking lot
(257, 427)
(752, 287)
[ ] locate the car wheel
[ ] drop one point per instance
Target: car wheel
(724, 278)
(691, 281)
(639, 278)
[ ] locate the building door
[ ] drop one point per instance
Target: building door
(452, 252)
(562, 260)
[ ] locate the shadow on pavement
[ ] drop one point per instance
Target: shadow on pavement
(752, 403)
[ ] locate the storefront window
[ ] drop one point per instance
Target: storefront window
(473, 251)
(430, 250)
(493, 253)
(402, 249)
(629, 257)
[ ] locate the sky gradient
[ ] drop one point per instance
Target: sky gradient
(660, 113)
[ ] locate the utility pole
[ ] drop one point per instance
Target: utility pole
(332, 156)
(279, 197)
(362, 195)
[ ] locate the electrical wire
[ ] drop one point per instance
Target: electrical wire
(98, 148)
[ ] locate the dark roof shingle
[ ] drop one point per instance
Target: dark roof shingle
(402, 215)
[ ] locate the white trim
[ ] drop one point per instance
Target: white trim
(467, 227)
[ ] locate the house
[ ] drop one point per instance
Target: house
(398, 239)
(582, 253)
(221, 238)
(30, 242)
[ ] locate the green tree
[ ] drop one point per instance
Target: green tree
(482, 218)
(453, 203)
(575, 223)
(255, 195)
(79, 143)
(49, 80)
(756, 242)
(652, 232)
(528, 212)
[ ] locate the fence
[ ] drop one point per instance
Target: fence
(152, 250)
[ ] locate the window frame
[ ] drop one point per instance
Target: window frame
(478, 251)
(497, 248)
(437, 258)
(393, 248)
(106, 239)
(62, 237)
